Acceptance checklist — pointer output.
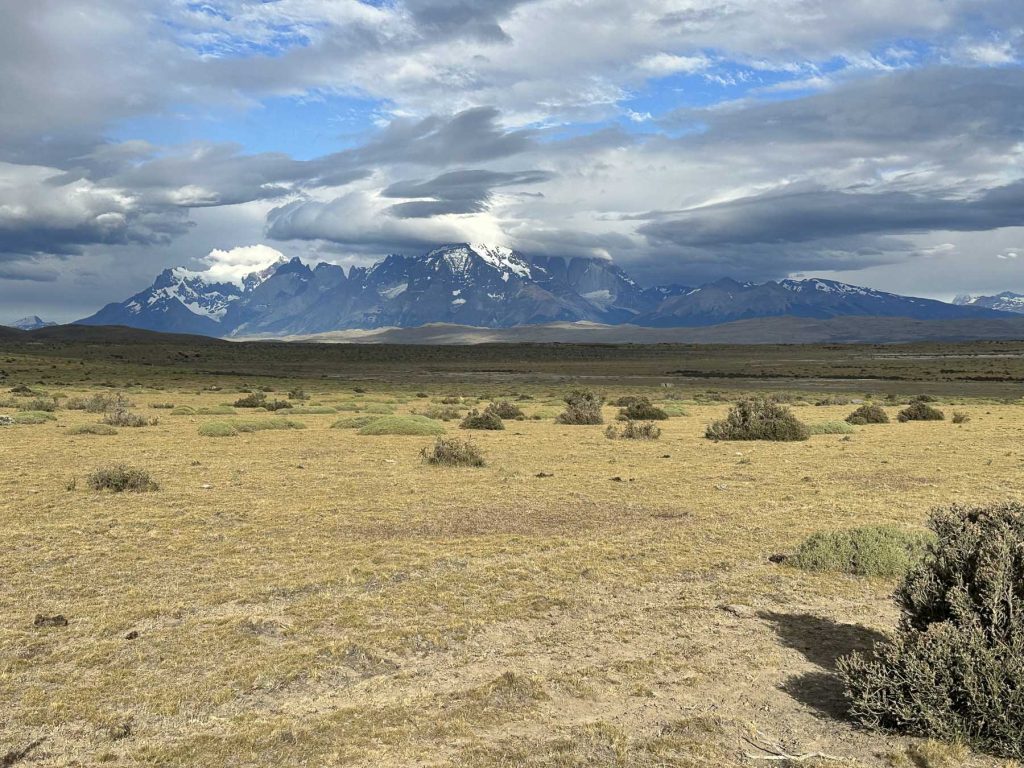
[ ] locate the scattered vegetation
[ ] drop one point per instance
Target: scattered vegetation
(634, 430)
(504, 409)
(955, 668)
(453, 452)
(253, 400)
(217, 429)
(641, 409)
(477, 420)
(98, 403)
(959, 417)
(875, 550)
(32, 417)
(92, 429)
(402, 425)
(122, 417)
(868, 414)
(832, 428)
(45, 404)
(920, 411)
(122, 478)
(582, 407)
(354, 422)
(758, 419)
(441, 412)
(298, 394)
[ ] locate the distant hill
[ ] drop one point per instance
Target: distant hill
(1007, 301)
(32, 322)
(484, 287)
(98, 334)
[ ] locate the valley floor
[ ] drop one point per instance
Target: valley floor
(320, 597)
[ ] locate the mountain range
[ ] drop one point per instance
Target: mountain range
(489, 287)
(31, 323)
(1007, 301)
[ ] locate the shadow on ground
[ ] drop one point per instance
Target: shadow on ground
(822, 642)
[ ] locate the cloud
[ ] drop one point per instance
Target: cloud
(457, 192)
(234, 264)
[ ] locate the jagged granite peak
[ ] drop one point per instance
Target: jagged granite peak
(31, 323)
(475, 284)
(1007, 301)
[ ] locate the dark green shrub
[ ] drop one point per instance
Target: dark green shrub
(582, 407)
(641, 409)
(875, 550)
(255, 400)
(452, 452)
(758, 419)
(217, 429)
(831, 428)
(503, 409)
(122, 478)
(919, 411)
(634, 431)
(486, 420)
(954, 670)
(868, 414)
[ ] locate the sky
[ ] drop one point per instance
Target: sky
(876, 142)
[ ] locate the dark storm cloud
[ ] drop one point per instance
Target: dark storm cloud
(479, 19)
(465, 191)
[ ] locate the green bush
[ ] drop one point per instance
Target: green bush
(868, 414)
(354, 422)
(259, 425)
(582, 407)
(641, 409)
(452, 452)
(254, 400)
(486, 420)
(875, 550)
(954, 670)
(122, 478)
(92, 429)
(504, 409)
(402, 425)
(832, 428)
(920, 411)
(758, 419)
(217, 429)
(32, 417)
(184, 410)
(212, 410)
(441, 412)
(45, 404)
(634, 431)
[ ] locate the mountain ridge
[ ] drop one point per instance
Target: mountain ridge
(479, 285)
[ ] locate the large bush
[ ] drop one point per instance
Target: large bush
(955, 668)
(920, 411)
(634, 430)
(874, 550)
(642, 409)
(869, 414)
(582, 407)
(504, 409)
(452, 452)
(486, 420)
(759, 419)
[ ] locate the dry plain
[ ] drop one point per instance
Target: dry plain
(320, 597)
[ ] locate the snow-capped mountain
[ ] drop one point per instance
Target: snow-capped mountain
(1007, 301)
(31, 323)
(481, 285)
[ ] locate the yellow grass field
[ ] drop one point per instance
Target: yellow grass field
(317, 597)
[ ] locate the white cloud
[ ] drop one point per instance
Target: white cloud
(234, 264)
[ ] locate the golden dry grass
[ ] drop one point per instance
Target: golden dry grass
(319, 597)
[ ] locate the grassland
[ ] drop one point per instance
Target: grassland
(322, 597)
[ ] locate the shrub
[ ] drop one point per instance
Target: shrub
(46, 404)
(122, 478)
(920, 411)
(22, 390)
(276, 405)
(634, 431)
(441, 413)
(402, 425)
(832, 428)
(380, 408)
(212, 410)
(868, 414)
(314, 410)
(452, 452)
(184, 410)
(925, 399)
(641, 409)
(504, 409)
(92, 429)
(254, 400)
(98, 403)
(486, 420)
(954, 669)
(298, 394)
(217, 429)
(162, 406)
(758, 419)
(959, 417)
(673, 409)
(120, 417)
(354, 422)
(582, 407)
(259, 425)
(627, 400)
(32, 417)
(874, 550)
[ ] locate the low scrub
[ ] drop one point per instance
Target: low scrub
(868, 414)
(162, 406)
(92, 429)
(98, 403)
(313, 410)
(453, 452)
(758, 419)
(642, 409)
(298, 394)
(634, 431)
(122, 478)
(217, 429)
(832, 428)
(254, 400)
(124, 418)
(954, 670)
(959, 417)
(214, 410)
(582, 407)
(477, 420)
(32, 417)
(876, 550)
(46, 404)
(184, 410)
(354, 422)
(504, 409)
(920, 411)
(402, 425)
(441, 412)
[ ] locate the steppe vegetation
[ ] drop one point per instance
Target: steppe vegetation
(359, 584)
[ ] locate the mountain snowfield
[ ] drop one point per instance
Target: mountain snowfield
(1007, 301)
(485, 286)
